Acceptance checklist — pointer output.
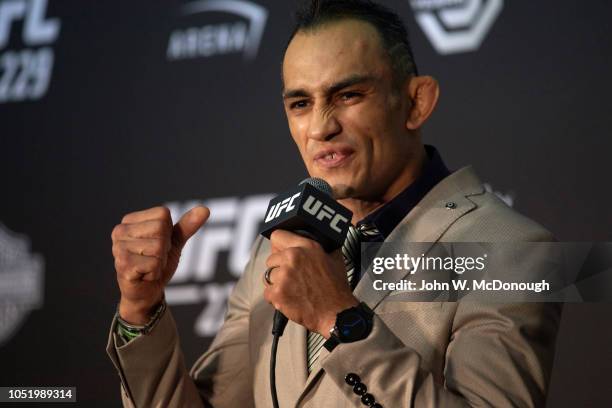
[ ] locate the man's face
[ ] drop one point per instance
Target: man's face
(344, 115)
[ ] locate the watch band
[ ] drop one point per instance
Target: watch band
(331, 343)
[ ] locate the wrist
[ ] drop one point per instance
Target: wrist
(137, 313)
(133, 330)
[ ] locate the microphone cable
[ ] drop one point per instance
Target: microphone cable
(278, 328)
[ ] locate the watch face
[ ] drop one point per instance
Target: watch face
(352, 326)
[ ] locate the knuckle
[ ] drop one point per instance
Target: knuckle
(161, 211)
(149, 265)
(271, 261)
(117, 249)
(121, 254)
(163, 214)
(127, 217)
(160, 228)
(133, 270)
(117, 232)
(118, 264)
(276, 237)
(149, 277)
(121, 263)
(278, 291)
(293, 255)
(130, 279)
(158, 247)
(279, 296)
(312, 244)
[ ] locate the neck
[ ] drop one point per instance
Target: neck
(362, 207)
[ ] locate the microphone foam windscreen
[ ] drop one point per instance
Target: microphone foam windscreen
(319, 184)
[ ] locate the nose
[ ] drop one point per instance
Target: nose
(323, 125)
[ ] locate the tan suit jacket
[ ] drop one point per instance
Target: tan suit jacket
(435, 354)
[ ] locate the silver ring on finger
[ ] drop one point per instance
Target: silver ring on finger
(267, 274)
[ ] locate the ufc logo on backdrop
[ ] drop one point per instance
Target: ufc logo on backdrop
(37, 29)
(455, 26)
(26, 73)
(223, 244)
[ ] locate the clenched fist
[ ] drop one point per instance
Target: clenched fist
(306, 284)
(147, 248)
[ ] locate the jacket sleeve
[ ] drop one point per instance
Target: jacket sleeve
(499, 355)
(153, 371)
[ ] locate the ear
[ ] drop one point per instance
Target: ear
(423, 92)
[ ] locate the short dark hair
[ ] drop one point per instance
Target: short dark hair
(312, 14)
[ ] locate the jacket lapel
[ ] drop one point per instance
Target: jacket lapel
(422, 227)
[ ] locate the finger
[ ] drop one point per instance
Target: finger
(154, 247)
(277, 277)
(133, 267)
(155, 213)
(282, 239)
(145, 229)
(337, 254)
(267, 275)
(275, 259)
(188, 225)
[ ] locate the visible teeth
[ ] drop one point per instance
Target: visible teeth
(330, 156)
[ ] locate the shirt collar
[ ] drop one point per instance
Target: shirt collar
(387, 217)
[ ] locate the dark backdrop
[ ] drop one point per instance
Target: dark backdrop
(124, 124)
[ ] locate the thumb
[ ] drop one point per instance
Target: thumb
(188, 225)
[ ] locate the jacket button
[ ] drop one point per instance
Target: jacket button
(352, 379)
(368, 400)
(450, 205)
(360, 388)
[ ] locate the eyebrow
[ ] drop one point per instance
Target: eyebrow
(351, 80)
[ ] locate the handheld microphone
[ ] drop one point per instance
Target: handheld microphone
(311, 211)
(308, 210)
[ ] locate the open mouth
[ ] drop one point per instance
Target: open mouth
(331, 158)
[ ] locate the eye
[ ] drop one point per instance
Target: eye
(298, 104)
(350, 95)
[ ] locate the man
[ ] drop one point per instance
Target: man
(355, 106)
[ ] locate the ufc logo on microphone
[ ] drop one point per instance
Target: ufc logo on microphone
(321, 211)
(286, 205)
